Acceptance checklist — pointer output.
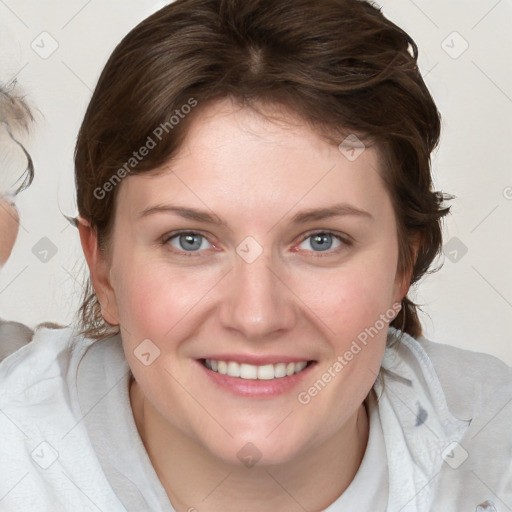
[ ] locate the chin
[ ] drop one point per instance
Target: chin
(256, 449)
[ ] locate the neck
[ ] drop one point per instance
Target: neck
(194, 479)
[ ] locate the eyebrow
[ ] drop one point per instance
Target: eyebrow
(313, 214)
(337, 210)
(186, 213)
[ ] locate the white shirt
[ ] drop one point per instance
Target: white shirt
(69, 442)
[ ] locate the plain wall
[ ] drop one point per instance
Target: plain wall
(468, 303)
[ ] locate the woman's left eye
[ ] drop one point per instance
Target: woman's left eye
(322, 241)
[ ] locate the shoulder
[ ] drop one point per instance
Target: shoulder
(44, 436)
(453, 360)
(464, 400)
(13, 335)
(470, 381)
(44, 362)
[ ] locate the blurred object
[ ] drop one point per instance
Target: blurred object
(9, 221)
(16, 166)
(49, 325)
(13, 336)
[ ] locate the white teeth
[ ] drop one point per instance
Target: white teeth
(266, 372)
(223, 367)
(249, 371)
(280, 370)
(233, 369)
(300, 366)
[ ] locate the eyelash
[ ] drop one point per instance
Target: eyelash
(344, 239)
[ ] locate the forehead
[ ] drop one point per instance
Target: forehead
(262, 161)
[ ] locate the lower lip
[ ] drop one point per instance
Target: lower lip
(255, 388)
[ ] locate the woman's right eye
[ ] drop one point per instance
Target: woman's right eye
(186, 242)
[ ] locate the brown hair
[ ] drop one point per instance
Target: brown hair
(338, 64)
(16, 116)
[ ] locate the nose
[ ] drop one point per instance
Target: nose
(257, 301)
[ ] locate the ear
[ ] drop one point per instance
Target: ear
(403, 282)
(99, 270)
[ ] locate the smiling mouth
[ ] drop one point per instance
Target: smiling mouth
(254, 372)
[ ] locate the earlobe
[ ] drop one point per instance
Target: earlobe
(99, 271)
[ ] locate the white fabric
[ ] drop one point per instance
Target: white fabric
(68, 440)
(112, 430)
(13, 336)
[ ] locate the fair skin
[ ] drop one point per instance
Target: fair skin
(9, 226)
(294, 299)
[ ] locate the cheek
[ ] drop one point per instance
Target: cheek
(152, 298)
(352, 297)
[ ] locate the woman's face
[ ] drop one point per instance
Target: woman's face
(289, 255)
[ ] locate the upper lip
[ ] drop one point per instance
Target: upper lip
(256, 360)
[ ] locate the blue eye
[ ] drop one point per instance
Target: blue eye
(187, 241)
(322, 241)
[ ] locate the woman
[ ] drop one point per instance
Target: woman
(253, 182)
